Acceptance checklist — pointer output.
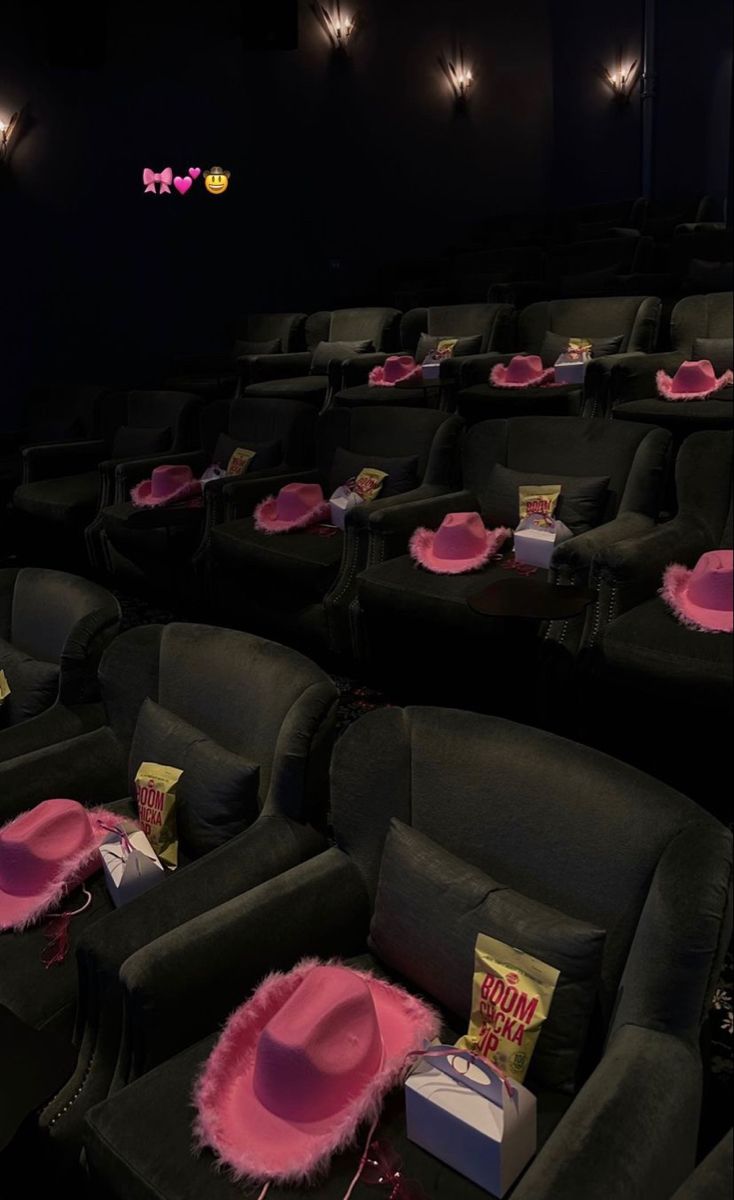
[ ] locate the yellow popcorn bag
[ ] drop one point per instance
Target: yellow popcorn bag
(368, 483)
(511, 998)
(155, 789)
(240, 460)
(538, 499)
(4, 687)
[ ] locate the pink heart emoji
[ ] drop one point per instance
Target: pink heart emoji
(182, 184)
(194, 172)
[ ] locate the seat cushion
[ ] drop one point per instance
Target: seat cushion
(557, 343)
(327, 352)
(650, 643)
(208, 386)
(580, 505)
(267, 454)
(131, 441)
(401, 473)
(127, 1164)
(33, 684)
(686, 415)
(483, 402)
(277, 563)
(311, 389)
(464, 346)
(71, 499)
(404, 397)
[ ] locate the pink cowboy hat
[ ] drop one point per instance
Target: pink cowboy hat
(524, 370)
(296, 506)
(45, 853)
(461, 543)
(398, 368)
(299, 1066)
(169, 484)
(702, 598)
(692, 381)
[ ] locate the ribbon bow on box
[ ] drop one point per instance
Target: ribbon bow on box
(164, 178)
(130, 864)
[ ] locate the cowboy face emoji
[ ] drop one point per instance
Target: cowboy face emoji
(216, 180)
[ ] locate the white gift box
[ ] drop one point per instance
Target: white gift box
(535, 546)
(431, 372)
(129, 873)
(571, 370)
(341, 502)
(469, 1120)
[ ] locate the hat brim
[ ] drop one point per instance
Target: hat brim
(674, 592)
(422, 551)
(251, 1139)
(266, 519)
(18, 912)
(498, 377)
(379, 380)
(142, 495)
(666, 387)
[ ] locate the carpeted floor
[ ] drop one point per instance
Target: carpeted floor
(718, 1034)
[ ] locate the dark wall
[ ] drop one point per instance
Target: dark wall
(335, 165)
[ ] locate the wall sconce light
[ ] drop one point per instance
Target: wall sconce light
(7, 129)
(459, 75)
(338, 26)
(621, 79)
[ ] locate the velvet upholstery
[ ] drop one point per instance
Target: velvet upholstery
(633, 318)
(162, 545)
(668, 685)
(56, 508)
(300, 585)
(553, 820)
(711, 1179)
(54, 627)
(215, 376)
(245, 698)
(404, 608)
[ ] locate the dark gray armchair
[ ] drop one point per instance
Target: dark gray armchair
(66, 484)
(712, 1178)
(667, 685)
(417, 627)
(480, 327)
(700, 327)
(53, 630)
(313, 375)
(244, 700)
(300, 585)
(556, 821)
(629, 321)
(217, 376)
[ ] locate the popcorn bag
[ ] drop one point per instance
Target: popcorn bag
(239, 461)
(4, 687)
(539, 531)
(155, 789)
(511, 998)
(538, 499)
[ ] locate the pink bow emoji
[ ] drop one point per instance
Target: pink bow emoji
(164, 178)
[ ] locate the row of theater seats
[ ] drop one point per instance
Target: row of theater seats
(417, 794)
(356, 598)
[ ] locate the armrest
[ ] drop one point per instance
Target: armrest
(390, 528)
(578, 553)
(60, 458)
(91, 768)
(631, 1132)
(132, 471)
(257, 368)
(355, 371)
(633, 375)
(241, 495)
(475, 368)
(634, 567)
(598, 381)
(319, 908)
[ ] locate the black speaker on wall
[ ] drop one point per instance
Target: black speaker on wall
(269, 24)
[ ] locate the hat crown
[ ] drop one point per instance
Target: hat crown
(33, 847)
(711, 581)
(523, 367)
(296, 499)
(168, 478)
(320, 1049)
(460, 535)
(692, 376)
(397, 366)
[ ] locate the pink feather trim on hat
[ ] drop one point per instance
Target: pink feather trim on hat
(676, 578)
(242, 1030)
(321, 512)
(666, 385)
(499, 377)
(421, 547)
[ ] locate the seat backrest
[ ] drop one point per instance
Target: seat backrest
(175, 411)
(255, 698)
(703, 479)
(701, 317)
(292, 423)
(558, 822)
(635, 458)
(317, 329)
(267, 327)
(578, 257)
(380, 325)
(391, 432)
(64, 413)
(489, 321)
(634, 318)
